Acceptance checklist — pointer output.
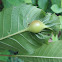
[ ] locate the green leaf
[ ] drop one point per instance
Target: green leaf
(9, 3)
(43, 4)
(48, 7)
(15, 2)
(46, 53)
(28, 1)
(58, 2)
(19, 15)
(4, 58)
(6, 3)
(14, 20)
(34, 2)
(52, 21)
(50, 50)
(60, 17)
(61, 3)
(60, 37)
(56, 9)
(55, 38)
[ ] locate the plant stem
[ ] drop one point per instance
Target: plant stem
(9, 55)
(13, 34)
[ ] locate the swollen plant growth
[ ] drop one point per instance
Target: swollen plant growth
(36, 26)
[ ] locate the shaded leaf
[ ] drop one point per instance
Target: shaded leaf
(43, 4)
(6, 3)
(48, 7)
(60, 17)
(34, 2)
(57, 2)
(4, 58)
(60, 38)
(61, 3)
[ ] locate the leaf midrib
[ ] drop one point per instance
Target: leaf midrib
(13, 34)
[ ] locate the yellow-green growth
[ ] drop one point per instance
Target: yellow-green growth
(36, 26)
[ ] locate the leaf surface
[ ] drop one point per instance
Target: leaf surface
(56, 9)
(3, 58)
(15, 19)
(56, 2)
(46, 53)
(34, 2)
(43, 4)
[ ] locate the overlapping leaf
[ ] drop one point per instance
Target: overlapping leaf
(46, 53)
(56, 7)
(15, 19)
(56, 2)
